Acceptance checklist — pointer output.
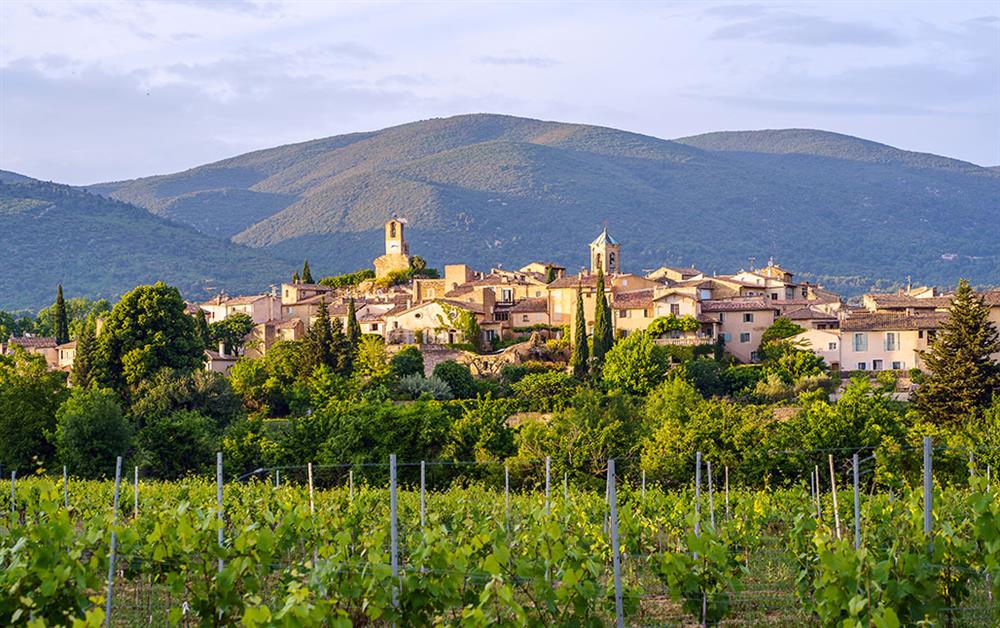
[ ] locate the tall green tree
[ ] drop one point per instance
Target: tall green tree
(30, 394)
(307, 276)
(962, 376)
(295, 277)
(201, 323)
(353, 326)
(341, 348)
(87, 357)
(61, 321)
(146, 331)
(550, 274)
(91, 431)
(603, 334)
(318, 344)
(232, 331)
(581, 353)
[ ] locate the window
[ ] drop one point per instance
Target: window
(862, 366)
(374, 327)
(491, 335)
(417, 315)
(774, 296)
(748, 317)
(538, 293)
(722, 317)
(876, 365)
(891, 341)
(392, 229)
(805, 292)
(898, 366)
(726, 336)
(622, 313)
(754, 356)
(706, 294)
(745, 337)
(501, 316)
(831, 346)
(524, 318)
(506, 295)
(675, 309)
(861, 342)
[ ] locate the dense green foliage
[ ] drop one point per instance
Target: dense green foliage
(60, 319)
(30, 394)
(231, 331)
(348, 279)
(579, 360)
(91, 431)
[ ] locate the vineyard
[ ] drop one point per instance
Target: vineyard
(321, 546)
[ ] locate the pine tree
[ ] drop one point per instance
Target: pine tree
(61, 322)
(603, 338)
(306, 274)
(86, 358)
(353, 326)
(295, 278)
(550, 274)
(962, 375)
(580, 356)
(318, 344)
(203, 330)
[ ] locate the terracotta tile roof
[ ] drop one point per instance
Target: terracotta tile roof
(737, 305)
(67, 345)
(991, 297)
(707, 318)
(632, 300)
(807, 313)
(900, 301)
(572, 281)
(33, 342)
(892, 321)
(531, 305)
(465, 305)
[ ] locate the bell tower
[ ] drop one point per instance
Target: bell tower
(395, 243)
(605, 254)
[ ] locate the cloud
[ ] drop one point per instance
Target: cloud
(535, 62)
(807, 30)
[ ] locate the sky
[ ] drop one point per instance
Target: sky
(101, 91)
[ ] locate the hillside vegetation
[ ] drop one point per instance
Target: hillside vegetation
(487, 189)
(98, 247)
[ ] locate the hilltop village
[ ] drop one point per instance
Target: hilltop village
(682, 306)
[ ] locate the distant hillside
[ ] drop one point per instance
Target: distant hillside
(488, 189)
(98, 247)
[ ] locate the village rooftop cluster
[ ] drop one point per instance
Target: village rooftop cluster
(884, 332)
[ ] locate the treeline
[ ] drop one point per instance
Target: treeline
(340, 397)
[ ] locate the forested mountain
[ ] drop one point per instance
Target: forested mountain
(99, 247)
(489, 189)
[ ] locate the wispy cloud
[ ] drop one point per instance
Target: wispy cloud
(807, 30)
(530, 61)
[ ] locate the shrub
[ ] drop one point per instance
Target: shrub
(178, 444)
(773, 389)
(458, 377)
(91, 431)
(415, 386)
(633, 365)
(548, 391)
(408, 361)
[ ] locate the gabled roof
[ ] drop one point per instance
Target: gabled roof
(633, 300)
(905, 301)
(808, 313)
(892, 321)
(531, 305)
(603, 238)
(736, 305)
(33, 342)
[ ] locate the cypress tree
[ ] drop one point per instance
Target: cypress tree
(318, 344)
(962, 373)
(295, 277)
(201, 323)
(550, 274)
(61, 322)
(580, 356)
(603, 338)
(341, 349)
(353, 326)
(306, 274)
(87, 356)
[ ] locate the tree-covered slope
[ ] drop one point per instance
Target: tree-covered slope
(97, 247)
(487, 189)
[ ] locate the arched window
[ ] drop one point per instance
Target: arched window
(392, 229)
